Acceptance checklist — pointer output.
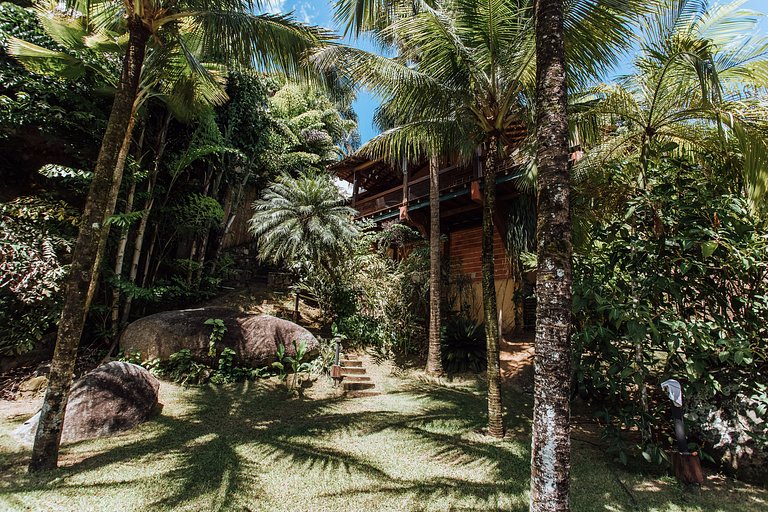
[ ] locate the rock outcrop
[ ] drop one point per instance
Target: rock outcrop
(114, 397)
(254, 338)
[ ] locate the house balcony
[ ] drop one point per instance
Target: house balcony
(458, 184)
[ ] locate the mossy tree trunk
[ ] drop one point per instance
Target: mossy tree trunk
(495, 410)
(550, 464)
(89, 249)
(434, 355)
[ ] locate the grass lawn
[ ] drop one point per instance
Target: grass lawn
(248, 448)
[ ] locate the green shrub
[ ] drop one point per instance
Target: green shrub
(463, 345)
(183, 369)
(674, 287)
(377, 302)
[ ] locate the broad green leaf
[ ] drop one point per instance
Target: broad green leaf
(708, 248)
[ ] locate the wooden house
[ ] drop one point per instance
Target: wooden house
(384, 193)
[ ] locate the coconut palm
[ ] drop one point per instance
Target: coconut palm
(551, 446)
(228, 31)
(463, 78)
(699, 84)
(303, 220)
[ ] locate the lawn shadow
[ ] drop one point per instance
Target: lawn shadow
(208, 443)
(220, 447)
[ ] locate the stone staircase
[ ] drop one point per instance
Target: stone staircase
(354, 379)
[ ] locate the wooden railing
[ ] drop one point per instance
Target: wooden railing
(450, 178)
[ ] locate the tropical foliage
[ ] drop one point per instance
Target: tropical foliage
(303, 221)
(698, 86)
(673, 286)
(671, 222)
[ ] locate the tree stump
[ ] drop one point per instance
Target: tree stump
(687, 467)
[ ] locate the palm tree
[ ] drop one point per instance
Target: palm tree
(228, 31)
(452, 88)
(551, 446)
(688, 94)
(303, 221)
(434, 352)
(172, 73)
(464, 77)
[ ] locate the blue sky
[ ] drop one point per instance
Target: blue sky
(320, 12)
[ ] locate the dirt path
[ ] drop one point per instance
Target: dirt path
(517, 361)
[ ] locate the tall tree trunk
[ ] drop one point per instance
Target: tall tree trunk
(231, 207)
(434, 355)
(89, 248)
(119, 260)
(142, 229)
(551, 446)
(490, 309)
(123, 243)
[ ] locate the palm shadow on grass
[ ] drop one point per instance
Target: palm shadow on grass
(227, 445)
(211, 443)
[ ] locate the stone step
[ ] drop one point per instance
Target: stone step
(355, 378)
(358, 386)
(351, 362)
(347, 370)
(361, 394)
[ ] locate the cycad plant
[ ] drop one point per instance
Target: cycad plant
(303, 222)
(226, 31)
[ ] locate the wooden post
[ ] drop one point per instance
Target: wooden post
(686, 465)
(355, 189)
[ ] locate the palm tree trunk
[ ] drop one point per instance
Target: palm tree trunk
(495, 411)
(434, 356)
(551, 447)
(89, 248)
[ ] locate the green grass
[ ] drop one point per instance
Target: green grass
(247, 447)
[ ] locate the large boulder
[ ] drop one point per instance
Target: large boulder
(733, 432)
(114, 397)
(254, 338)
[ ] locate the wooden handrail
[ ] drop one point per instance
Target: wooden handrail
(380, 194)
(366, 200)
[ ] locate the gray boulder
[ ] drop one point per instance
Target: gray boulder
(113, 398)
(734, 433)
(253, 337)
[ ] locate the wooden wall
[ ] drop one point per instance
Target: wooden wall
(238, 233)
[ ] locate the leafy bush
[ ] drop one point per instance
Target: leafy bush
(37, 239)
(297, 364)
(183, 369)
(674, 286)
(376, 301)
(463, 345)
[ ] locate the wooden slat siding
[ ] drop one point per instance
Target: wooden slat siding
(238, 234)
(466, 251)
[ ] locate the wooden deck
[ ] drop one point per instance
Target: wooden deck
(454, 180)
